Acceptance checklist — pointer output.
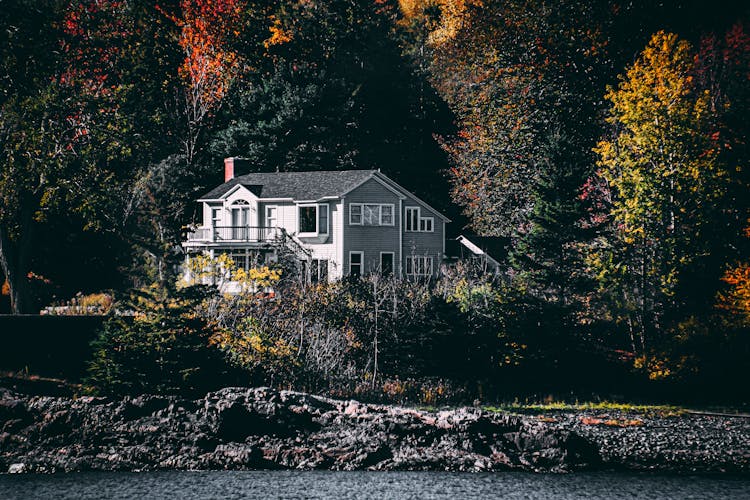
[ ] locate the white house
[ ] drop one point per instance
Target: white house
(339, 223)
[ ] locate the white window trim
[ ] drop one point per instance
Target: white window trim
(413, 260)
(361, 262)
(299, 219)
(380, 214)
(328, 218)
(360, 214)
(420, 219)
(317, 207)
(268, 210)
(393, 261)
(407, 218)
(216, 216)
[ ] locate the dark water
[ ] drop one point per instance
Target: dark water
(360, 485)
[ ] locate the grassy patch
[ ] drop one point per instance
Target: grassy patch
(603, 406)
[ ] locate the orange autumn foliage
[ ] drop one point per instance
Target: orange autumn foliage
(94, 32)
(278, 34)
(453, 15)
(737, 298)
(207, 27)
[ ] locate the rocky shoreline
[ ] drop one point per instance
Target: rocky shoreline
(260, 428)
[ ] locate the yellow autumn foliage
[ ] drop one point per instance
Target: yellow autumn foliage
(452, 15)
(203, 269)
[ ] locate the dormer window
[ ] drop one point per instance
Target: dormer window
(313, 219)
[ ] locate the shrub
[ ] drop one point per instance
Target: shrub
(162, 348)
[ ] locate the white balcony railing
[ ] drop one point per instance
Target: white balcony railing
(244, 234)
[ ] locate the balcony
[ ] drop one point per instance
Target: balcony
(234, 234)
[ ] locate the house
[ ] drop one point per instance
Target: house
(337, 223)
(486, 251)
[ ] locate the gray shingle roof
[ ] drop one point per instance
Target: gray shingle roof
(295, 185)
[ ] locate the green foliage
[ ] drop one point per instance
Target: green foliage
(335, 93)
(163, 348)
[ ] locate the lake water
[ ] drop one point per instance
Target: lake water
(360, 485)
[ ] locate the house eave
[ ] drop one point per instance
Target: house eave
(378, 175)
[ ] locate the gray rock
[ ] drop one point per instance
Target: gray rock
(18, 468)
(261, 428)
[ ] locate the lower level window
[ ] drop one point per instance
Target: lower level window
(419, 266)
(241, 259)
(319, 271)
(355, 263)
(386, 263)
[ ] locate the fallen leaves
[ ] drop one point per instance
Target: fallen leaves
(612, 422)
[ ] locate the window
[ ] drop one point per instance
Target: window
(412, 218)
(386, 215)
(355, 263)
(355, 214)
(240, 220)
(419, 266)
(308, 219)
(416, 223)
(323, 219)
(241, 259)
(215, 217)
(386, 263)
(370, 214)
(313, 219)
(319, 271)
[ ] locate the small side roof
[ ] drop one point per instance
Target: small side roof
(494, 247)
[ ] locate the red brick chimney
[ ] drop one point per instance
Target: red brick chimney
(234, 166)
(228, 169)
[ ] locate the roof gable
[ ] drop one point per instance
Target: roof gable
(398, 187)
(238, 189)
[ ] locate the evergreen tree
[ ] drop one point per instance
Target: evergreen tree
(546, 255)
(335, 93)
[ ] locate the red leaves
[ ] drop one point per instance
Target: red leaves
(94, 33)
(210, 64)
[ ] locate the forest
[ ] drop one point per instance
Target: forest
(607, 141)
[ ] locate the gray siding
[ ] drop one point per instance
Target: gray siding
(370, 239)
(427, 243)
